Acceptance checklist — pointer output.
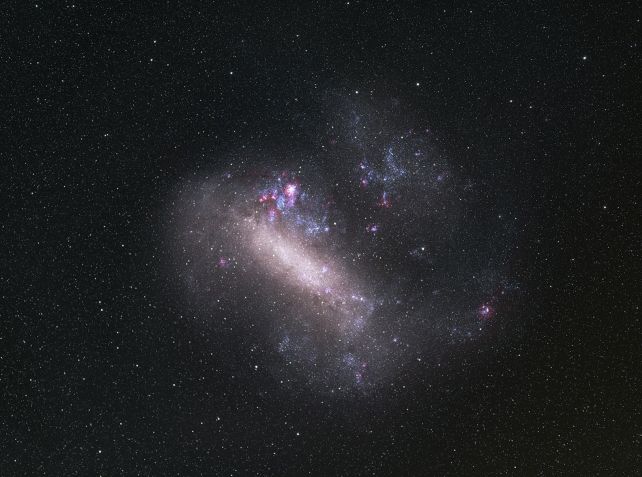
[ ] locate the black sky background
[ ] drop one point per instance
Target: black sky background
(106, 107)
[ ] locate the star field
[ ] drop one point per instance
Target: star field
(344, 238)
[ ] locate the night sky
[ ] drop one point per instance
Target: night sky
(320, 238)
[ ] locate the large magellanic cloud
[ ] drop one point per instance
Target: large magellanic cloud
(359, 256)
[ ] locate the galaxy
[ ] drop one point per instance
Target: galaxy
(326, 253)
(319, 239)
